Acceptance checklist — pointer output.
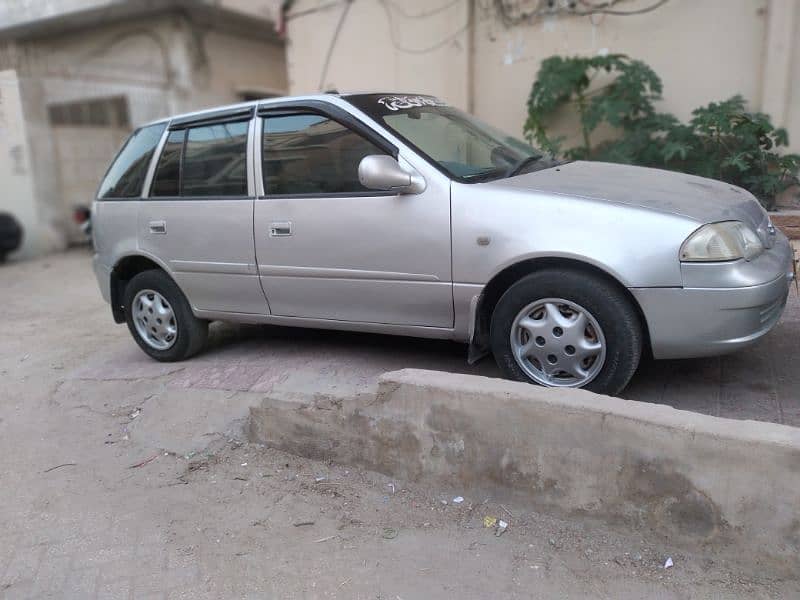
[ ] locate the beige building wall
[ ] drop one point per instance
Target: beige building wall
(161, 66)
(703, 50)
(781, 86)
(381, 46)
(15, 164)
(244, 64)
(14, 12)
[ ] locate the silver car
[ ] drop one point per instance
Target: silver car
(399, 214)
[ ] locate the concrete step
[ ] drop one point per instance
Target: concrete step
(695, 479)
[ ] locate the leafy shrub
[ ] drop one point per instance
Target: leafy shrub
(722, 140)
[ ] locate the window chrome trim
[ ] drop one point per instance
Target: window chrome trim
(310, 196)
(196, 198)
(258, 156)
(250, 159)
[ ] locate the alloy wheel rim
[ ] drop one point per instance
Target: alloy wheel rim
(558, 343)
(154, 320)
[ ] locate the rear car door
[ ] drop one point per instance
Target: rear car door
(327, 247)
(198, 218)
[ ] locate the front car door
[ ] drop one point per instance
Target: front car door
(198, 218)
(327, 247)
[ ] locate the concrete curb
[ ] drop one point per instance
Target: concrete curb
(693, 478)
(788, 221)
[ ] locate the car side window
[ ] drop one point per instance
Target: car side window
(126, 176)
(215, 161)
(308, 153)
(204, 161)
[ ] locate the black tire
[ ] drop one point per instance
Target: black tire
(603, 299)
(192, 332)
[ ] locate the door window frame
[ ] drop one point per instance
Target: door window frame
(329, 111)
(236, 115)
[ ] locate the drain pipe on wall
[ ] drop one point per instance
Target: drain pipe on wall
(471, 44)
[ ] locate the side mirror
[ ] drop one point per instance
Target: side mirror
(381, 172)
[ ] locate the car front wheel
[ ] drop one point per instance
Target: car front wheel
(160, 319)
(567, 328)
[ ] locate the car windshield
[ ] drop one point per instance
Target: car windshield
(459, 144)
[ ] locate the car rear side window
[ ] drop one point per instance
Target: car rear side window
(126, 176)
(205, 161)
(307, 153)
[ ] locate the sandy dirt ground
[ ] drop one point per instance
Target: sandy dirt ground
(125, 478)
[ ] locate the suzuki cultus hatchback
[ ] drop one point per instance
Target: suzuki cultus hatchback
(400, 214)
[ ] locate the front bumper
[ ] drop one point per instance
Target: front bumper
(693, 322)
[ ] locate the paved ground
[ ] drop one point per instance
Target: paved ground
(761, 383)
(124, 478)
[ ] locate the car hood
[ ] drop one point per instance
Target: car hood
(698, 198)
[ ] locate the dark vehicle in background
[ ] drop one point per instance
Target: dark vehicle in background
(82, 215)
(10, 235)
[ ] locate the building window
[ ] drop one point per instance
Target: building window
(98, 112)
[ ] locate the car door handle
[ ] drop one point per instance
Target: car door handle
(158, 227)
(283, 229)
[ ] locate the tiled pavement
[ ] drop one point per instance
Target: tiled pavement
(761, 383)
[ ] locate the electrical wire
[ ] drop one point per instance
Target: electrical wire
(440, 44)
(547, 7)
(334, 39)
(311, 11)
(543, 8)
(619, 13)
(428, 13)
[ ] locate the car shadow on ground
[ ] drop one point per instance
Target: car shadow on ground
(756, 383)
(350, 349)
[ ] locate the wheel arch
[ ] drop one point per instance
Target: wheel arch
(509, 275)
(125, 269)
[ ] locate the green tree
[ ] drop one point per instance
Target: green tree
(722, 140)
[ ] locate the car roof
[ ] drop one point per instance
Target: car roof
(239, 105)
(278, 100)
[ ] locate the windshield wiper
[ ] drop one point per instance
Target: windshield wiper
(484, 175)
(517, 167)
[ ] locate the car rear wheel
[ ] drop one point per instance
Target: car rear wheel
(160, 319)
(566, 328)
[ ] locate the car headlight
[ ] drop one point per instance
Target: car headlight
(728, 240)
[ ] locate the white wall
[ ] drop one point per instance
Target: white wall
(162, 66)
(703, 50)
(378, 48)
(16, 172)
